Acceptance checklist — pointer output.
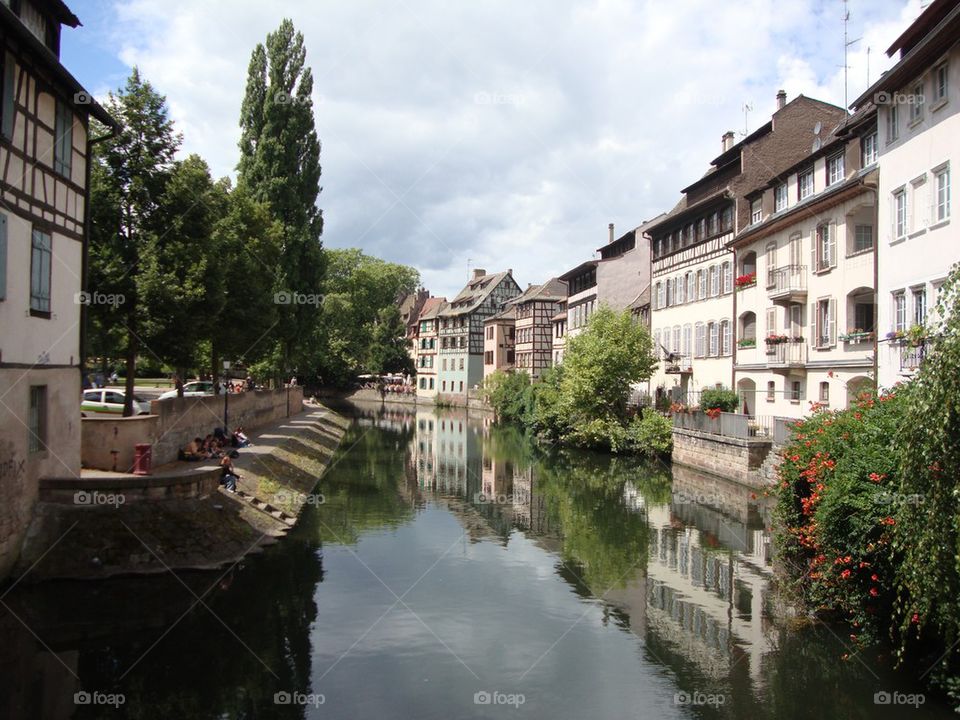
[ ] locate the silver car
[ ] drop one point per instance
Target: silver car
(194, 388)
(110, 402)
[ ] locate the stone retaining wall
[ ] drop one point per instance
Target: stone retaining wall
(733, 458)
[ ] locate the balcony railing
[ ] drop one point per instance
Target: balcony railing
(675, 364)
(788, 354)
(912, 355)
(789, 282)
(727, 424)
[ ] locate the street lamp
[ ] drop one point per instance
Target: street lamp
(226, 396)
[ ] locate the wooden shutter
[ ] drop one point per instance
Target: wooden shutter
(832, 307)
(814, 265)
(832, 244)
(814, 338)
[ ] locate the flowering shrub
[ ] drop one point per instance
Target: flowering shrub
(722, 399)
(747, 280)
(837, 508)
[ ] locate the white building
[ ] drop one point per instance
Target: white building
(918, 103)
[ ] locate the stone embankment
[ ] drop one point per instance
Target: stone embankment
(179, 518)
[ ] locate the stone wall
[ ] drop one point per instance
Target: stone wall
(176, 421)
(729, 457)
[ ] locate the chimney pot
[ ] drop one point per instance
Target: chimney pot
(727, 140)
(610, 229)
(478, 273)
(781, 99)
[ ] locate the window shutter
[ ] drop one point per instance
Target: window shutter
(814, 338)
(832, 244)
(813, 251)
(3, 257)
(9, 96)
(833, 321)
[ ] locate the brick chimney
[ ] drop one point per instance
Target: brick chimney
(610, 229)
(781, 99)
(478, 273)
(727, 140)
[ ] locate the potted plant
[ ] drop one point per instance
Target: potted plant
(747, 343)
(746, 280)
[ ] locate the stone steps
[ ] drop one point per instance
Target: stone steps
(266, 508)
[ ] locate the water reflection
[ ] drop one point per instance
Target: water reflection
(452, 556)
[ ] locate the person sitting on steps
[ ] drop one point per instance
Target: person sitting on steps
(228, 475)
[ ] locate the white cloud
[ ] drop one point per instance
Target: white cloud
(507, 134)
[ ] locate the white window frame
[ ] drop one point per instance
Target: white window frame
(941, 194)
(893, 124)
(868, 145)
(900, 228)
(781, 197)
(835, 169)
(805, 184)
(899, 311)
(756, 211)
(941, 83)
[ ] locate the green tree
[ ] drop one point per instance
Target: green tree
(389, 349)
(128, 179)
(280, 164)
(510, 395)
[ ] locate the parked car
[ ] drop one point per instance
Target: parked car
(194, 388)
(99, 401)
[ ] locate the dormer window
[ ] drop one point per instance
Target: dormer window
(805, 184)
(780, 197)
(835, 170)
(756, 211)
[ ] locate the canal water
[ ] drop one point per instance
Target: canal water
(453, 570)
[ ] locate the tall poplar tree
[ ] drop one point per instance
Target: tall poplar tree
(280, 165)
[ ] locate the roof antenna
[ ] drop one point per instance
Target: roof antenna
(846, 48)
(747, 107)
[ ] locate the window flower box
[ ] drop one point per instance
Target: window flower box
(747, 343)
(776, 339)
(858, 336)
(745, 281)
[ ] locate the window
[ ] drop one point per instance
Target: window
(714, 349)
(691, 288)
(510, 357)
(940, 86)
(893, 124)
(771, 391)
(900, 213)
(942, 201)
(678, 293)
(835, 170)
(727, 277)
(676, 338)
(63, 140)
(701, 284)
(868, 149)
(461, 363)
(824, 393)
(712, 224)
(461, 386)
(863, 316)
(431, 383)
(726, 338)
(919, 305)
(687, 340)
(825, 323)
(899, 311)
(40, 273)
(805, 184)
(726, 219)
(916, 104)
(862, 238)
(771, 256)
(826, 247)
(698, 349)
(490, 332)
(488, 357)
(780, 197)
(423, 383)
(444, 364)
(8, 106)
(37, 426)
(756, 211)
(660, 298)
(701, 228)
(796, 391)
(714, 280)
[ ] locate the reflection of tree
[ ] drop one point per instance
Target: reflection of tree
(604, 538)
(362, 490)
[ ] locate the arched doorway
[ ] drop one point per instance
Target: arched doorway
(747, 390)
(857, 386)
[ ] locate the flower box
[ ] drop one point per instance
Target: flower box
(776, 339)
(745, 281)
(747, 343)
(858, 336)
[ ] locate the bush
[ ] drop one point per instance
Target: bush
(509, 395)
(607, 433)
(722, 399)
(650, 434)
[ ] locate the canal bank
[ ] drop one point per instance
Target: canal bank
(105, 524)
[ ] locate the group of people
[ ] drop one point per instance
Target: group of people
(217, 446)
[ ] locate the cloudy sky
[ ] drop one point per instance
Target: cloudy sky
(495, 134)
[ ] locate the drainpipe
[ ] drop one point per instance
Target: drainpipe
(876, 283)
(733, 326)
(85, 251)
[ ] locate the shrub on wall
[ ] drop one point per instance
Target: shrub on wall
(722, 399)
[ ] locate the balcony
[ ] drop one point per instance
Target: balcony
(912, 354)
(676, 364)
(787, 284)
(786, 355)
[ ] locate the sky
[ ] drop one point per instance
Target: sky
(494, 134)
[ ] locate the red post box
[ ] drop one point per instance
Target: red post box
(142, 457)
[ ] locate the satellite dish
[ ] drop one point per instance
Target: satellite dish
(817, 128)
(816, 144)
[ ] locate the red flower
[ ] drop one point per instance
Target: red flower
(845, 574)
(876, 477)
(875, 577)
(874, 592)
(888, 521)
(915, 619)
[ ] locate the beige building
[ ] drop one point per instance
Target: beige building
(693, 278)
(559, 324)
(44, 155)
(499, 341)
(806, 326)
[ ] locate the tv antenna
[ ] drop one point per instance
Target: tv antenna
(847, 43)
(747, 107)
